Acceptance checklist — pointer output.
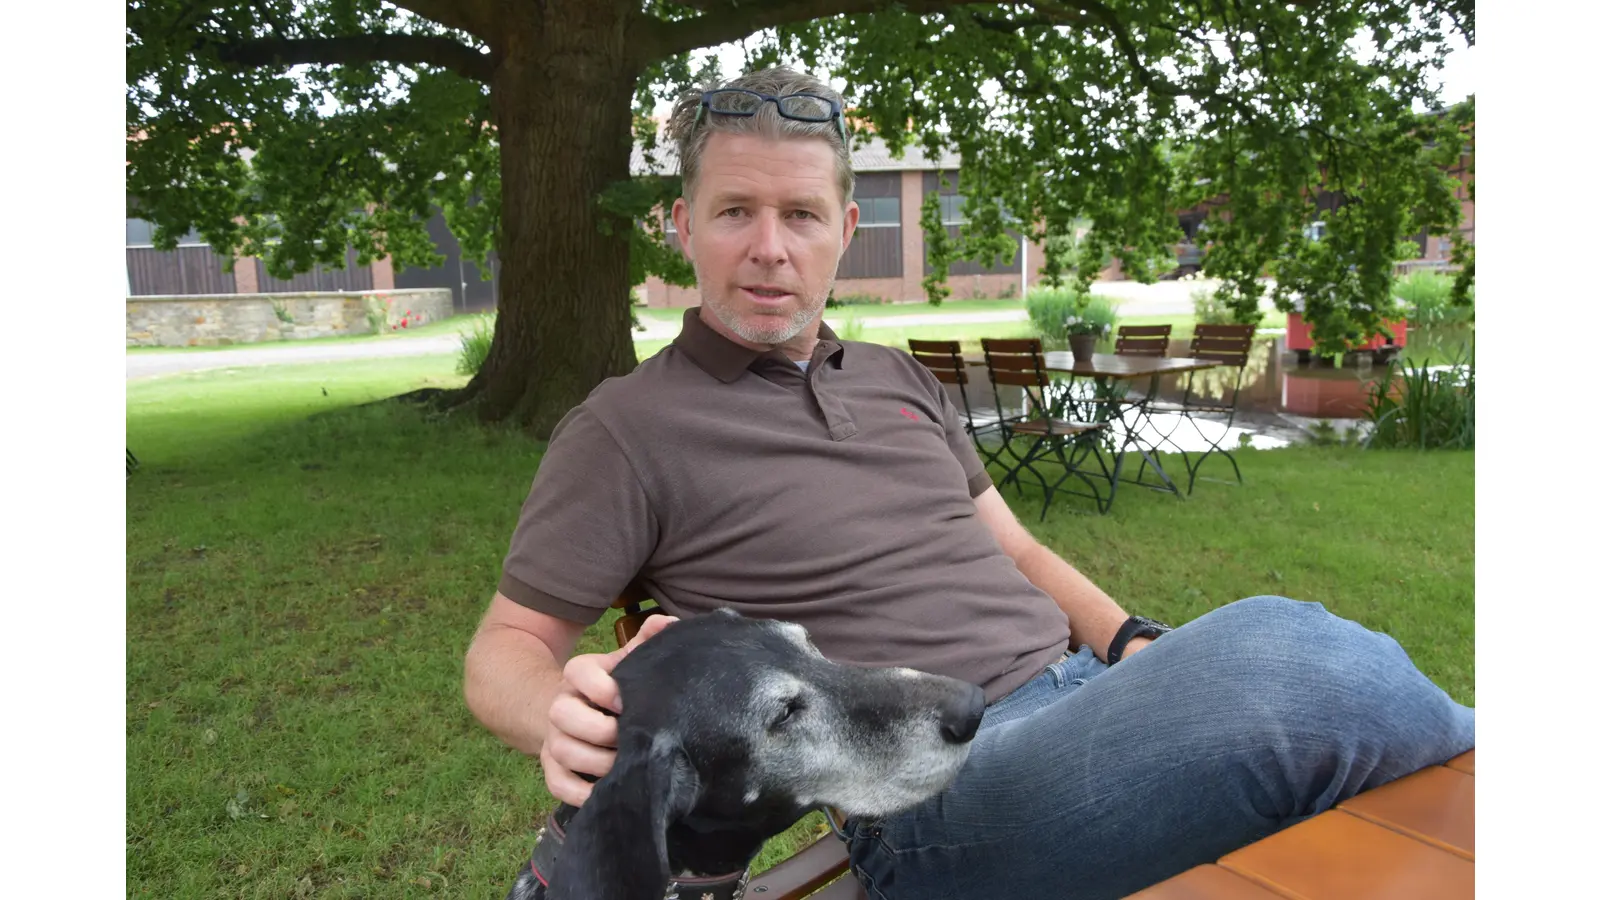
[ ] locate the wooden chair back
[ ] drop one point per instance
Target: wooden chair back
(1143, 340)
(1018, 362)
(1227, 344)
(631, 601)
(942, 358)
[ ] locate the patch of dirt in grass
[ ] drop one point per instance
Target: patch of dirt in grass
(374, 599)
(361, 549)
(263, 714)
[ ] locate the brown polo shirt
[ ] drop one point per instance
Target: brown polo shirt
(838, 498)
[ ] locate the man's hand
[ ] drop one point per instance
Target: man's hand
(582, 738)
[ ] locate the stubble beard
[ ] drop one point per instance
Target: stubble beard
(780, 331)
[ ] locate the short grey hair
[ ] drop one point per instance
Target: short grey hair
(690, 138)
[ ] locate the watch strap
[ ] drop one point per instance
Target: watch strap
(1134, 627)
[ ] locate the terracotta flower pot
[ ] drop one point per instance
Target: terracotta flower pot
(1082, 346)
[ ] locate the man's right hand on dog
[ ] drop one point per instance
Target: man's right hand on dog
(582, 736)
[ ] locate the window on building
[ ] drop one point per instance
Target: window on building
(951, 209)
(878, 212)
(142, 234)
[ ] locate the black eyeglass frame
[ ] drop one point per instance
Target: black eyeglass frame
(836, 112)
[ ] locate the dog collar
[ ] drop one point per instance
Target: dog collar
(680, 887)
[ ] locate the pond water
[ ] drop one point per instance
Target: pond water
(1282, 399)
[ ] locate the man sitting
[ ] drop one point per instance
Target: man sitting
(762, 464)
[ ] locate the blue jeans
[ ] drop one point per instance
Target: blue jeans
(1091, 781)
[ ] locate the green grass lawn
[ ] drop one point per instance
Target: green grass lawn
(304, 575)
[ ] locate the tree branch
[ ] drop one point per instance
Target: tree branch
(729, 20)
(1119, 35)
(463, 15)
(1008, 26)
(361, 48)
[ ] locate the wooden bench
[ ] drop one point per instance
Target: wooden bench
(1411, 839)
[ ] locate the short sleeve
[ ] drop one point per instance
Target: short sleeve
(586, 528)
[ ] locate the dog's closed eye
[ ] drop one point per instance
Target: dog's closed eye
(791, 707)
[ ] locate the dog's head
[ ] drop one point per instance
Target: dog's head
(733, 728)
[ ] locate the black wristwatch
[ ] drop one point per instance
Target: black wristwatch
(1135, 627)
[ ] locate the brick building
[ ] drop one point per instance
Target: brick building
(886, 258)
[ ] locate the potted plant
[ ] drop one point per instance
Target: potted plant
(1066, 316)
(1087, 324)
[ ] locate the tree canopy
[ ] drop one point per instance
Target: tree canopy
(293, 129)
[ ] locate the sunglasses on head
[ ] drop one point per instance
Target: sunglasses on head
(800, 107)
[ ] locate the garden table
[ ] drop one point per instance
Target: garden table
(1107, 402)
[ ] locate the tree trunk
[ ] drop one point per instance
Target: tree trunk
(562, 97)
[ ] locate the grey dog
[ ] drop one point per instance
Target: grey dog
(732, 729)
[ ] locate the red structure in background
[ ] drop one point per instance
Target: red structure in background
(1300, 341)
(1324, 394)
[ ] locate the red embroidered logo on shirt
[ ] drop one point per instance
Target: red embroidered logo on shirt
(909, 414)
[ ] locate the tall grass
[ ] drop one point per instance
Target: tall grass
(1208, 310)
(1425, 297)
(851, 328)
(1049, 308)
(475, 343)
(1413, 406)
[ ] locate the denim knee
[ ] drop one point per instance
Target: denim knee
(1302, 674)
(1269, 622)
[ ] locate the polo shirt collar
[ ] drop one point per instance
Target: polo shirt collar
(725, 360)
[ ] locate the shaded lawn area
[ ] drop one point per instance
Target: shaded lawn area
(301, 591)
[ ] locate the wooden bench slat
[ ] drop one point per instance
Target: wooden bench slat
(1464, 763)
(1208, 882)
(846, 888)
(1335, 856)
(1435, 805)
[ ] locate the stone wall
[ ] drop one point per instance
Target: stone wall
(222, 319)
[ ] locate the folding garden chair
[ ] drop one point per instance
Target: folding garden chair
(1034, 434)
(943, 359)
(1229, 345)
(1142, 340)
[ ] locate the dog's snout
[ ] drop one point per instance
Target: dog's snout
(961, 715)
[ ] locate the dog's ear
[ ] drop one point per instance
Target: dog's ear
(616, 845)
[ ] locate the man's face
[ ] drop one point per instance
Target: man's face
(766, 233)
